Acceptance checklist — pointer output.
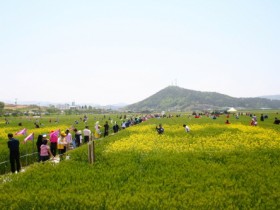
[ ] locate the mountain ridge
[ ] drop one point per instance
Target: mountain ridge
(271, 97)
(174, 98)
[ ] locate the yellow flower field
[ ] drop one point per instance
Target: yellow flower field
(214, 166)
(233, 137)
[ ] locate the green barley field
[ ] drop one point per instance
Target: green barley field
(215, 166)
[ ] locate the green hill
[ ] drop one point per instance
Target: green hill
(174, 98)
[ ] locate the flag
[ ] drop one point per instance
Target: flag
(21, 132)
(29, 137)
(54, 134)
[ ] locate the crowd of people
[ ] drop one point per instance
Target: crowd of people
(60, 143)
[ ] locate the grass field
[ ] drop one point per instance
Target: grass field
(215, 166)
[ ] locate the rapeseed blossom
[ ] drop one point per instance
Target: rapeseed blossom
(230, 138)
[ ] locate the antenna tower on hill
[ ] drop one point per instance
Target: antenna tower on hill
(175, 82)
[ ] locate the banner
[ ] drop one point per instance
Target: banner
(21, 132)
(30, 137)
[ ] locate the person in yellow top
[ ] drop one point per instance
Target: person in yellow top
(61, 143)
(97, 132)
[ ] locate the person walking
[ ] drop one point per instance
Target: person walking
(45, 151)
(78, 137)
(68, 139)
(61, 143)
(87, 134)
(97, 132)
(13, 145)
(39, 143)
(123, 125)
(262, 117)
(116, 127)
(106, 129)
(74, 139)
(53, 140)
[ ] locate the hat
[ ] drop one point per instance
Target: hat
(44, 135)
(63, 133)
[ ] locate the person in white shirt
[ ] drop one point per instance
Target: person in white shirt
(68, 139)
(187, 128)
(123, 125)
(87, 134)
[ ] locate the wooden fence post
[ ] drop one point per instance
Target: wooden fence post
(91, 152)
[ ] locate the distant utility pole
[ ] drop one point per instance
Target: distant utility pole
(16, 102)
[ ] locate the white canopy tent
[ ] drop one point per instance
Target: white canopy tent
(231, 110)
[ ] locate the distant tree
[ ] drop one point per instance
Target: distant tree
(2, 105)
(17, 113)
(34, 106)
(52, 110)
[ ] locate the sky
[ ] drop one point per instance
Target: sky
(109, 52)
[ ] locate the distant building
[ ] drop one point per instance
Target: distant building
(73, 107)
(63, 106)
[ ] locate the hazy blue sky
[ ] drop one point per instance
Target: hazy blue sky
(107, 52)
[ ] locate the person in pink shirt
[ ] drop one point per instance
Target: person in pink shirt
(53, 140)
(45, 151)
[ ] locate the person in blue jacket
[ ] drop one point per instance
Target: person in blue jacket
(13, 145)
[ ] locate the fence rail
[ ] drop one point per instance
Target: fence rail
(28, 160)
